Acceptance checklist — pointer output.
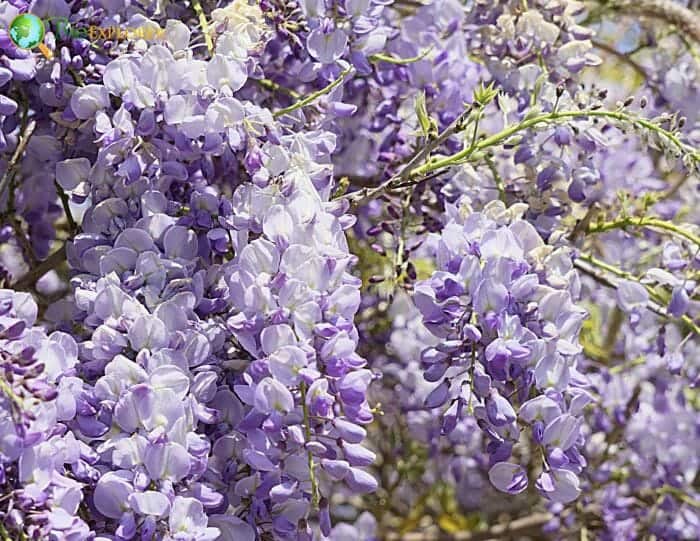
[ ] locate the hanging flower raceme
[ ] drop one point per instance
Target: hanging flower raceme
(217, 306)
(315, 270)
(292, 306)
(503, 304)
(43, 466)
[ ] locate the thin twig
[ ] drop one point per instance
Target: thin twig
(378, 57)
(307, 434)
(397, 180)
(22, 240)
(65, 201)
(625, 58)
(590, 266)
(14, 161)
(314, 95)
(673, 189)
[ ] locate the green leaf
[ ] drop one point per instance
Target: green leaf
(453, 523)
(422, 114)
(483, 95)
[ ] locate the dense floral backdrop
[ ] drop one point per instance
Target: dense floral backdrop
(350, 270)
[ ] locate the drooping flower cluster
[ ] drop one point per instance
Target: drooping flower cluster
(509, 35)
(503, 304)
(346, 269)
(182, 292)
(43, 466)
(293, 305)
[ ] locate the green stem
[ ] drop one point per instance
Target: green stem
(493, 140)
(197, 6)
(652, 223)
(307, 430)
(313, 96)
(607, 267)
(680, 495)
(4, 536)
(399, 263)
(616, 320)
(496, 178)
(400, 61)
(619, 368)
(397, 181)
(10, 394)
(273, 86)
(653, 295)
(475, 133)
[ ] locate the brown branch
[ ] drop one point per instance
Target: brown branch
(22, 240)
(530, 525)
(65, 201)
(625, 58)
(14, 161)
(682, 18)
(28, 280)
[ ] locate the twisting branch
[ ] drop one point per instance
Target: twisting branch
(673, 13)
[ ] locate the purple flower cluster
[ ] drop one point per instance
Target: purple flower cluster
(43, 466)
(348, 269)
(503, 304)
(214, 313)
